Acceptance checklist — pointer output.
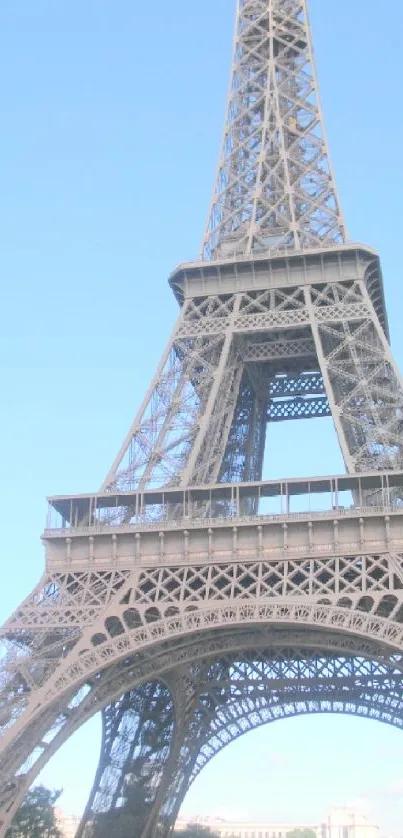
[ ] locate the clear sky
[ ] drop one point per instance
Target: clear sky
(111, 122)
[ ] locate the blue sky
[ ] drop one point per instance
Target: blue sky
(111, 122)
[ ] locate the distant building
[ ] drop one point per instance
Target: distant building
(240, 829)
(346, 823)
(341, 823)
(68, 824)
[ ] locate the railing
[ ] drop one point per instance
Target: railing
(104, 527)
(272, 500)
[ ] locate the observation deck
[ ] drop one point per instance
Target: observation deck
(317, 517)
(341, 263)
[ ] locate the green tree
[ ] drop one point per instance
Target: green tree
(301, 833)
(36, 816)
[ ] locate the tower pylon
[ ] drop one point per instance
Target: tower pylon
(190, 599)
(275, 189)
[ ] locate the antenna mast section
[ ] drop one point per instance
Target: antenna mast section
(275, 190)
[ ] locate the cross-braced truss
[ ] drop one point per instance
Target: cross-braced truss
(178, 600)
(240, 360)
(157, 619)
(274, 189)
(223, 698)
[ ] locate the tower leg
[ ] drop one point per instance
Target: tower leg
(138, 732)
(364, 388)
(216, 700)
(151, 740)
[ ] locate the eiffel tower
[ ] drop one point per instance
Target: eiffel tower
(189, 599)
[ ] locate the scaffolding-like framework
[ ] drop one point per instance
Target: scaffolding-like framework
(190, 600)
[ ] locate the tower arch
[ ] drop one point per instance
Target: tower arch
(177, 574)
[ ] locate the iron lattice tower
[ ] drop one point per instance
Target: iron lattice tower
(188, 599)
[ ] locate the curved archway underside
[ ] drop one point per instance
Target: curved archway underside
(189, 613)
(218, 698)
(127, 666)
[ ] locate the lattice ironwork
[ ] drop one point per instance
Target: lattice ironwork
(137, 734)
(203, 422)
(226, 697)
(274, 188)
(298, 396)
(298, 408)
(179, 600)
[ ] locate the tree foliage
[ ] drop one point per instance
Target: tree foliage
(36, 816)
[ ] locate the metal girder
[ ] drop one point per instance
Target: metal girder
(265, 685)
(274, 188)
(189, 618)
(192, 424)
(136, 745)
(279, 350)
(297, 396)
(304, 384)
(158, 606)
(224, 697)
(298, 408)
